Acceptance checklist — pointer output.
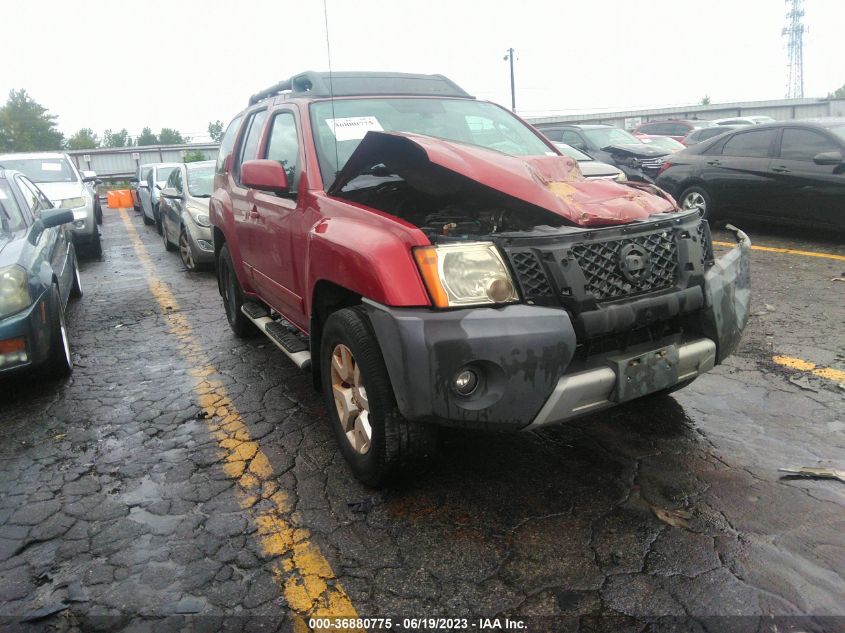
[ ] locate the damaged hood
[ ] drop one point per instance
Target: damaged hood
(554, 183)
(637, 151)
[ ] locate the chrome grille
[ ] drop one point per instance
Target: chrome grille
(602, 265)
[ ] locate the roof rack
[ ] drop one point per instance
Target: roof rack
(353, 84)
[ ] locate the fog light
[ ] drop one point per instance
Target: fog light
(205, 245)
(79, 224)
(465, 382)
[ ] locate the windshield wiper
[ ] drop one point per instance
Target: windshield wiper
(201, 195)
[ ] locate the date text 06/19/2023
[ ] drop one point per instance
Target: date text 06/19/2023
(416, 624)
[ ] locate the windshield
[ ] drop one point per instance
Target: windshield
(163, 173)
(604, 136)
(42, 169)
(200, 180)
(572, 152)
(339, 129)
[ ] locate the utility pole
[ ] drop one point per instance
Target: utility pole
(795, 30)
(509, 57)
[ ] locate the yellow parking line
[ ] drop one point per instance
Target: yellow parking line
(305, 576)
(786, 251)
(837, 375)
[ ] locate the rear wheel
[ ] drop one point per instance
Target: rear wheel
(696, 198)
(59, 363)
(375, 439)
(233, 296)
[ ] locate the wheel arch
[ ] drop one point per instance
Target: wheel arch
(327, 297)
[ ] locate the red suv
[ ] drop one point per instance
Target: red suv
(673, 128)
(434, 260)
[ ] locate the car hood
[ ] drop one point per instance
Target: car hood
(637, 151)
(61, 190)
(199, 203)
(554, 183)
(596, 169)
(11, 246)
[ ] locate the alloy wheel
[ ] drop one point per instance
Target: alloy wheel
(694, 201)
(350, 398)
(185, 251)
(65, 340)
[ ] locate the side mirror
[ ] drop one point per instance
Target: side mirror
(828, 158)
(170, 192)
(265, 175)
(56, 217)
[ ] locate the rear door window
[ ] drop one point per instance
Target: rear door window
(798, 144)
(754, 144)
(31, 197)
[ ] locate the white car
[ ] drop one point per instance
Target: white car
(57, 176)
(745, 120)
(149, 190)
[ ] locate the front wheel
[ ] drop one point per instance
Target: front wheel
(696, 198)
(157, 216)
(233, 297)
(95, 246)
(168, 245)
(375, 439)
(185, 252)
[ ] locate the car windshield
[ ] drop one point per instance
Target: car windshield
(340, 126)
(162, 174)
(200, 180)
(839, 130)
(572, 152)
(605, 136)
(41, 169)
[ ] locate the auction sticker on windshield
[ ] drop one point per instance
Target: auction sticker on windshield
(353, 128)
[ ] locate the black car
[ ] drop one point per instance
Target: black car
(612, 145)
(785, 172)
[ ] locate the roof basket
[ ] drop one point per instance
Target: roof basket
(347, 84)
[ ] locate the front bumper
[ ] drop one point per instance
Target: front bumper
(84, 225)
(524, 355)
(200, 239)
(33, 326)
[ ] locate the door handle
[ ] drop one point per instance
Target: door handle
(254, 214)
(780, 169)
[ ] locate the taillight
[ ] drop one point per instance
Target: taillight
(664, 167)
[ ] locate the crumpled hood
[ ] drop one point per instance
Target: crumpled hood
(554, 183)
(637, 151)
(61, 190)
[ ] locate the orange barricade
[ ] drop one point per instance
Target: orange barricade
(119, 199)
(125, 198)
(113, 199)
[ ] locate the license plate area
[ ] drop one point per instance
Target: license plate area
(642, 374)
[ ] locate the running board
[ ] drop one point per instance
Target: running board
(283, 336)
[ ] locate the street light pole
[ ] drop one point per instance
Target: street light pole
(509, 57)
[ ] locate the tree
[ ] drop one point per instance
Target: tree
(25, 125)
(147, 137)
(215, 131)
(194, 156)
(83, 139)
(705, 100)
(116, 139)
(169, 136)
(839, 93)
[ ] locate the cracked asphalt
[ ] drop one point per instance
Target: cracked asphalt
(185, 479)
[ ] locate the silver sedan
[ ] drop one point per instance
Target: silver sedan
(184, 214)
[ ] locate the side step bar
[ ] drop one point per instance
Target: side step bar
(284, 337)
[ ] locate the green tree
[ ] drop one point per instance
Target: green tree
(116, 139)
(26, 126)
(169, 136)
(147, 137)
(194, 156)
(83, 139)
(215, 131)
(705, 100)
(839, 93)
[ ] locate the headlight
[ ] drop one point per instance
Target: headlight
(200, 217)
(621, 176)
(471, 273)
(79, 214)
(71, 203)
(14, 290)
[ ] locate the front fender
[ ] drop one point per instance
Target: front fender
(367, 259)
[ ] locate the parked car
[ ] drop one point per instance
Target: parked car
(434, 260)
(149, 191)
(137, 186)
(662, 142)
(610, 145)
(746, 120)
(184, 214)
(57, 176)
(705, 133)
(673, 128)
(38, 274)
(785, 172)
(589, 167)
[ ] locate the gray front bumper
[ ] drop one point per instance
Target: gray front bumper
(86, 232)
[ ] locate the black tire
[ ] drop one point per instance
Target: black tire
(76, 288)
(157, 216)
(98, 211)
(168, 246)
(147, 220)
(185, 253)
(396, 445)
(696, 197)
(59, 363)
(95, 246)
(233, 297)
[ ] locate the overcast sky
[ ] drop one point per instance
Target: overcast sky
(183, 63)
